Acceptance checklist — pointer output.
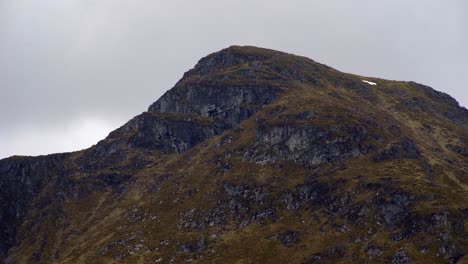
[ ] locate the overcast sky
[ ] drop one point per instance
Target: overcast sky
(73, 70)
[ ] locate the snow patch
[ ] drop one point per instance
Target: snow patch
(371, 83)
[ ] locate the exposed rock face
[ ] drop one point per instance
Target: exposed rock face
(21, 181)
(198, 113)
(395, 211)
(169, 134)
(226, 105)
(304, 164)
(226, 98)
(309, 145)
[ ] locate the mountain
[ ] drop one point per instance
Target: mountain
(254, 156)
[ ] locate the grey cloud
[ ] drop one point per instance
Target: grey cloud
(62, 62)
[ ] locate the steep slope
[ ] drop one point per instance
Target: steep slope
(254, 156)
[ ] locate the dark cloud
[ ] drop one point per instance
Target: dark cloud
(71, 71)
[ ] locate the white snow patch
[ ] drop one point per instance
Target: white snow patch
(371, 83)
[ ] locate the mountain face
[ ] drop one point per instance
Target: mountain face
(254, 156)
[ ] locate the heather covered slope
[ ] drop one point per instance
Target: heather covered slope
(254, 156)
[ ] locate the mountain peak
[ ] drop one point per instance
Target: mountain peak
(241, 54)
(248, 56)
(231, 56)
(251, 156)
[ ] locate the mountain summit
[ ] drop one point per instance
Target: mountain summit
(254, 156)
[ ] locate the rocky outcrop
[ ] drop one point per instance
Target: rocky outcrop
(242, 204)
(226, 105)
(21, 181)
(216, 90)
(174, 124)
(305, 144)
(169, 133)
